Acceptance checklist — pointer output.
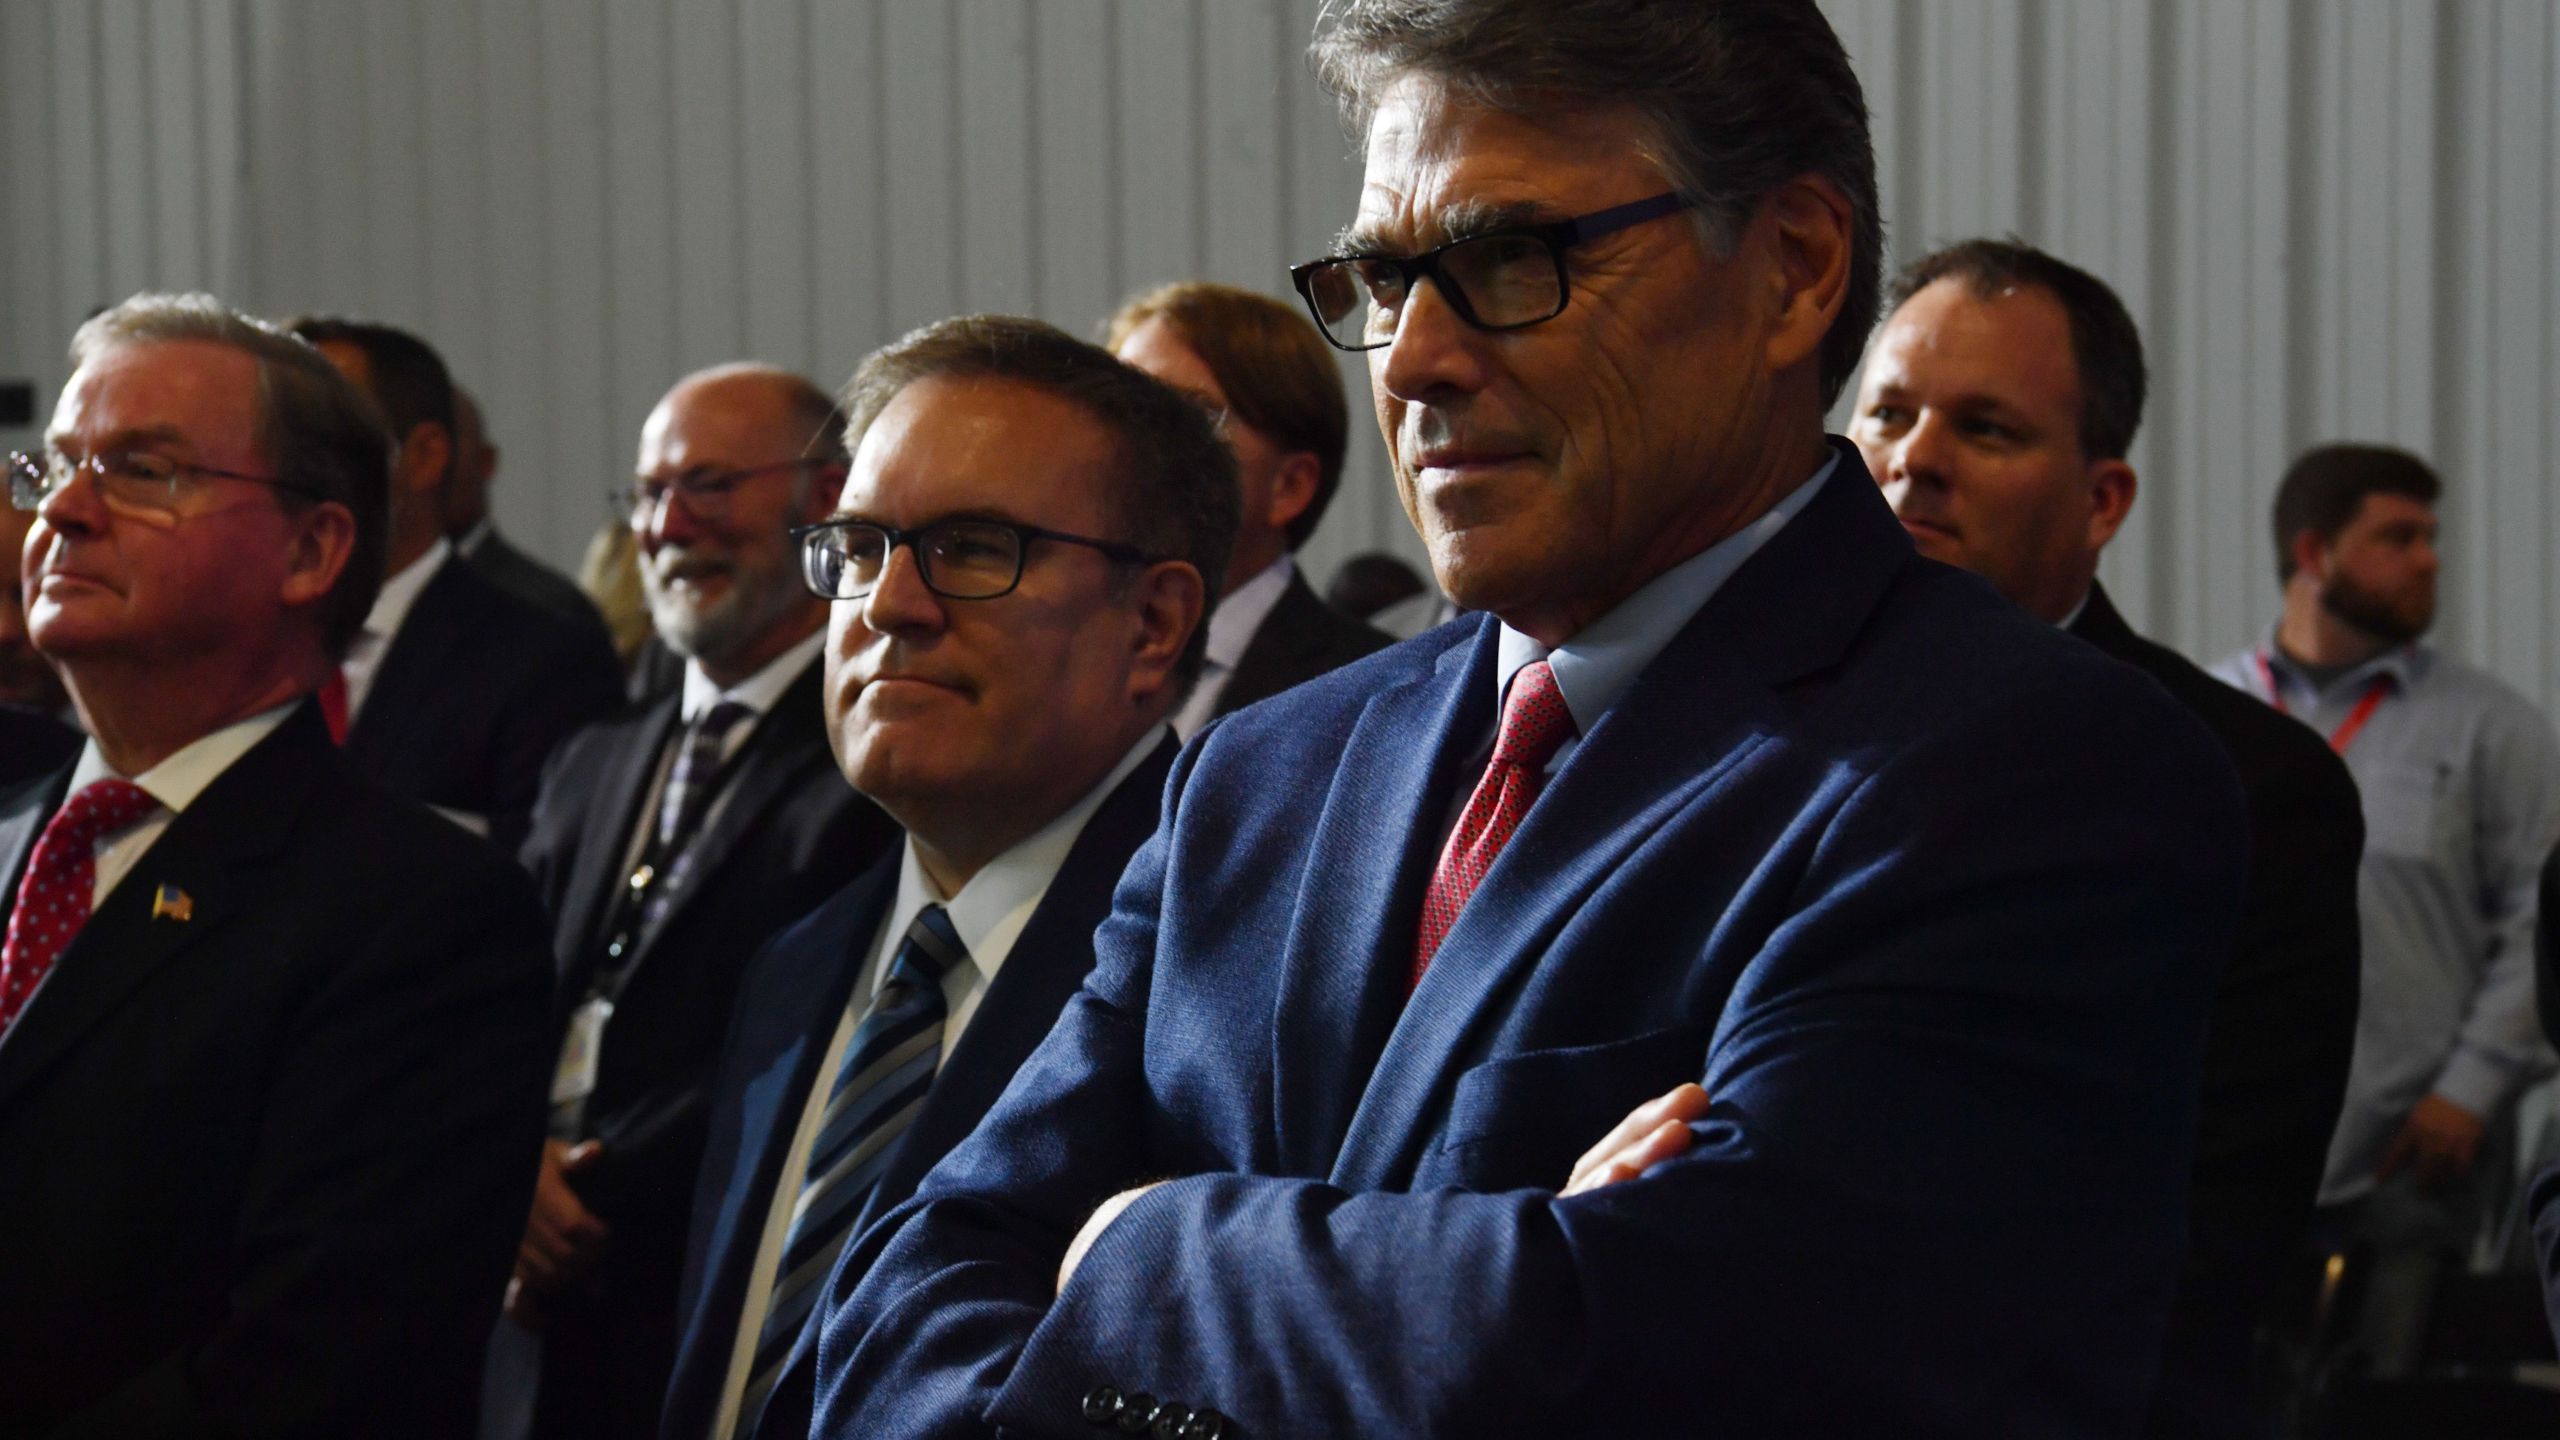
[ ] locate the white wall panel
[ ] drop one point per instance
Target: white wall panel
(2333, 218)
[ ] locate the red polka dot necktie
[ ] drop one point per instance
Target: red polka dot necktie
(53, 899)
(1535, 723)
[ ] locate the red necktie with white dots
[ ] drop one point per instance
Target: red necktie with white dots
(53, 899)
(1535, 723)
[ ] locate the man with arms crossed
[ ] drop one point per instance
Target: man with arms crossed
(270, 1087)
(1019, 564)
(1726, 785)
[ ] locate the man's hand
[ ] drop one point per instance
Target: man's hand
(563, 1238)
(1652, 1133)
(1099, 1221)
(2440, 1138)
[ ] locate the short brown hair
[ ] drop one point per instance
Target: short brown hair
(1277, 372)
(1742, 96)
(1174, 486)
(2326, 486)
(322, 434)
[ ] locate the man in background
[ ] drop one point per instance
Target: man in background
(454, 692)
(1996, 407)
(34, 736)
(1020, 563)
(1272, 384)
(474, 533)
(270, 1086)
(2460, 782)
(668, 845)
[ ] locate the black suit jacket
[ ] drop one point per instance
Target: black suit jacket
(264, 1165)
(32, 744)
(2282, 1031)
(788, 833)
(795, 995)
(476, 691)
(528, 579)
(1300, 639)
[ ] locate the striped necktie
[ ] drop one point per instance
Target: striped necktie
(888, 1066)
(697, 768)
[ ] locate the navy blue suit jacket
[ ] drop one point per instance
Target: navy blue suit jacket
(794, 994)
(1929, 896)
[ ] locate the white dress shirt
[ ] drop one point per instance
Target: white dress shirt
(989, 913)
(174, 782)
(382, 625)
(1231, 628)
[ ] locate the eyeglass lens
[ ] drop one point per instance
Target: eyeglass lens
(1500, 281)
(961, 559)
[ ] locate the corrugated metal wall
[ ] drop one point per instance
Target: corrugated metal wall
(2333, 218)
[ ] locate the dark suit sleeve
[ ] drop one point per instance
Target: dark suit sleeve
(1964, 1063)
(577, 683)
(394, 1169)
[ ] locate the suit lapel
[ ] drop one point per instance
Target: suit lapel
(245, 815)
(1045, 968)
(20, 827)
(612, 811)
(782, 750)
(1714, 695)
(1375, 842)
(405, 679)
(1279, 648)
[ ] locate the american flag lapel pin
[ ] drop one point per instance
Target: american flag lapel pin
(172, 903)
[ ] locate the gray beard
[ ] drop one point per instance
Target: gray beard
(711, 632)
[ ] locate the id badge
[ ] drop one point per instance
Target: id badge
(575, 1080)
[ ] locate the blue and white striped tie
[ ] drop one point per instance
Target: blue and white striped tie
(878, 1089)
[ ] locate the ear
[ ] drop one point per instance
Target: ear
(316, 554)
(1293, 488)
(2310, 554)
(1170, 601)
(1811, 232)
(425, 452)
(2111, 490)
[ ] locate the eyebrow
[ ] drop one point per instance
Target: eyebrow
(975, 512)
(125, 439)
(1464, 220)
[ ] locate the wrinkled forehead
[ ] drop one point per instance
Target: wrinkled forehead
(191, 393)
(1441, 162)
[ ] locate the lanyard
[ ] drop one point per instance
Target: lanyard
(2345, 734)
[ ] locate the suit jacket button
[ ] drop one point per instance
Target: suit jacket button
(1137, 1413)
(1207, 1425)
(1171, 1416)
(1101, 1405)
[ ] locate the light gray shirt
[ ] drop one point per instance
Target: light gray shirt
(2461, 784)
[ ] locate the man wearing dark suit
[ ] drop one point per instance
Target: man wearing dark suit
(32, 744)
(668, 844)
(464, 506)
(270, 1086)
(1726, 785)
(1264, 372)
(455, 692)
(1997, 404)
(1020, 563)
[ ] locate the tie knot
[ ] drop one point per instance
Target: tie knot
(932, 947)
(103, 807)
(716, 722)
(1535, 721)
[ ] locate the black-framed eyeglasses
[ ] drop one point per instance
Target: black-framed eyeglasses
(962, 558)
(135, 481)
(706, 493)
(1501, 280)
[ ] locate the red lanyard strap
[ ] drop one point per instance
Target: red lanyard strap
(2345, 734)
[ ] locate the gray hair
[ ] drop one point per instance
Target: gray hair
(1742, 96)
(324, 437)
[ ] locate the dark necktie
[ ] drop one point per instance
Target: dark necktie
(1535, 723)
(53, 899)
(697, 773)
(888, 1067)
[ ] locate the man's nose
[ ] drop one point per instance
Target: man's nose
(901, 602)
(1433, 351)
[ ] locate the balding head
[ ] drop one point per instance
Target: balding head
(730, 459)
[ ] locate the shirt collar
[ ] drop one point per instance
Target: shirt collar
(2405, 664)
(2067, 621)
(176, 781)
(400, 592)
(991, 910)
(1597, 666)
(759, 692)
(1232, 624)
